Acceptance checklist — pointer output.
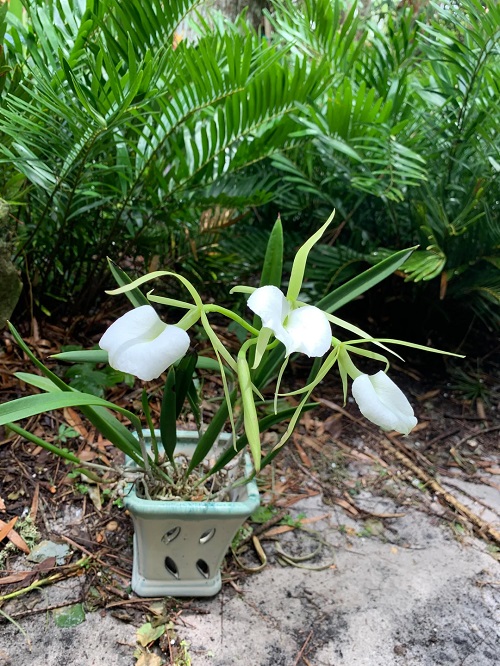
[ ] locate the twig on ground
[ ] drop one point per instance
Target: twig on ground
(300, 655)
(482, 526)
(41, 582)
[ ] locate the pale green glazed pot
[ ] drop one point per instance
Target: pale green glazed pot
(179, 545)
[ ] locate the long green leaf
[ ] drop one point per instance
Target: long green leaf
(271, 274)
(36, 380)
(273, 261)
(23, 408)
(100, 417)
(361, 283)
(83, 356)
(184, 379)
(168, 415)
(62, 453)
(211, 434)
(135, 296)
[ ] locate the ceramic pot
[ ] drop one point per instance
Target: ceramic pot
(179, 545)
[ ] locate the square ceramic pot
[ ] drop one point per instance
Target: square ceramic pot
(179, 545)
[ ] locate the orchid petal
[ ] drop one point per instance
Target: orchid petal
(381, 401)
(141, 344)
(309, 331)
(137, 323)
(305, 329)
(270, 304)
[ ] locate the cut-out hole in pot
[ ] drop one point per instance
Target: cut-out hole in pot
(206, 536)
(203, 568)
(172, 534)
(171, 567)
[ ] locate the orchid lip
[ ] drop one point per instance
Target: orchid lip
(140, 344)
(303, 329)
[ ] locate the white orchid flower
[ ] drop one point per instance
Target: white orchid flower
(303, 329)
(141, 344)
(382, 402)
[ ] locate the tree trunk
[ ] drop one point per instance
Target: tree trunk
(232, 8)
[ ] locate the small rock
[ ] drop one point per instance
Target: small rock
(46, 549)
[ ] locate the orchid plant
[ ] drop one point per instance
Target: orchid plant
(283, 324)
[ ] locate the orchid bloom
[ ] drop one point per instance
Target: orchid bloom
(303, 329)
(383, 403)
(141, 344)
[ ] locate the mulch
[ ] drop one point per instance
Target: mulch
(456, 437)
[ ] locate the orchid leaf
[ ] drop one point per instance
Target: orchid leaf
(250, 418)
(211, 434)
(30, 405)
(101, 356)
(184, 379)
(273, 261)
(168, 415)
(63, 453)
(100, 417)
(135, 296)
(361, 283)
(83, 356)
(210, 364)
(42, 383)
(194, 403)
(272, 270)
(149, 420)
(299, 263)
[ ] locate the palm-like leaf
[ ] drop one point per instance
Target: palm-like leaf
(119, 135)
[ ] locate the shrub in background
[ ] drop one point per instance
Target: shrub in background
(404, 143)
(121, 134)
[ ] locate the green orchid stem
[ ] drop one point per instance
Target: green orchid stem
(347, 364)
(189, 319)
(231, 315)
(46, 581)
(144, 451)
(250, 417)
(147, 414)
(172, 302)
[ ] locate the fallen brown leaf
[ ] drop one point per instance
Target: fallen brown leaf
(15, 577)
(13, 536)
(5, 528)
(74, 420)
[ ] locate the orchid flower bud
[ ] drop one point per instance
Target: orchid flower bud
(304, 329)
(141, 344)
(383, 403)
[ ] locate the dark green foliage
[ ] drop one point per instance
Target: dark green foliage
(115, 143)
(86, 378)
(405, 143)
(123, 141)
